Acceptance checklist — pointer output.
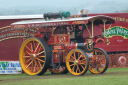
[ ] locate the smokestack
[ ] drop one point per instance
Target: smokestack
(84, 12)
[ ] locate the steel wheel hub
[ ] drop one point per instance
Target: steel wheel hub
(33, 56)
(76, 62)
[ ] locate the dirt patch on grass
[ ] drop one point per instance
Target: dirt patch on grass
(56, 76)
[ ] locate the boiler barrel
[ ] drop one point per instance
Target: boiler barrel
(74, 46)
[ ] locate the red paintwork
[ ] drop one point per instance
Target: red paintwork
(97, 31)
(117, 43)
(9, 48)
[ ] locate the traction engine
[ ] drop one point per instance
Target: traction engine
(62, 44)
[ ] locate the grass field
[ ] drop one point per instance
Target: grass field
(113, 76)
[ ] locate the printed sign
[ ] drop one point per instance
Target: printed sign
(117, 31)
(10, 67)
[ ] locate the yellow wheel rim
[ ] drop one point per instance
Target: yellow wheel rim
(32, 56)
(76, 62)
(97, 63)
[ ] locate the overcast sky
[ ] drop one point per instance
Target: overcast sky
(94, 6)
(57, 3)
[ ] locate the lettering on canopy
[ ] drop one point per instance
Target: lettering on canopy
(78, 22)
(45, 24)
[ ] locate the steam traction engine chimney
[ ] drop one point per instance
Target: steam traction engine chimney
(84, 12)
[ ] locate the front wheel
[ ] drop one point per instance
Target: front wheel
(34, 56)
(99, 61)
(77, 62)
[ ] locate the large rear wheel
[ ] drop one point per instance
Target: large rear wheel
(34, 56)
(77, 62)
(99, 61)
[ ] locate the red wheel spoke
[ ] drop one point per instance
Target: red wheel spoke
(26, 56)
(40, 49)
(72, 64)
(83, 60)
(73, 68)
(81, 66)
(40, 53)
(42, 56)
(74, 55)
(80, 56)
(31, 47)
(78, 68)
(28, 48)
(70, 60)
(83, 63)
(28, 64)
(28, 53)
(33, 44)
(32, 65)
(39, 63)
(27, 60)
(40, 60)
(35, 67)
(37, 47)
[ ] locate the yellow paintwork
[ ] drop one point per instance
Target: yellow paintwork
(23, 61)
(75, 62)
(94, 69)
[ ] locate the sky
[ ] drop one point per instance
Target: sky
(58, 3)
(92, 5)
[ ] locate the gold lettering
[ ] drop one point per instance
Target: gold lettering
(78, 22)
(19, 26)
(119, 19)
(126, 20)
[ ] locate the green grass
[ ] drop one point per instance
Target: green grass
(113, 76)
(118, 80)
(117, 69)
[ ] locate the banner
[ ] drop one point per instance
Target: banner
(117, 31)
(10, 67)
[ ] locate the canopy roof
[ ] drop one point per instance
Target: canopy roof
(57, 22)
(21, 17)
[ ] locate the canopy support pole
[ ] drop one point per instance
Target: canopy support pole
(104, 26)
(88, 30)
(92, 29)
